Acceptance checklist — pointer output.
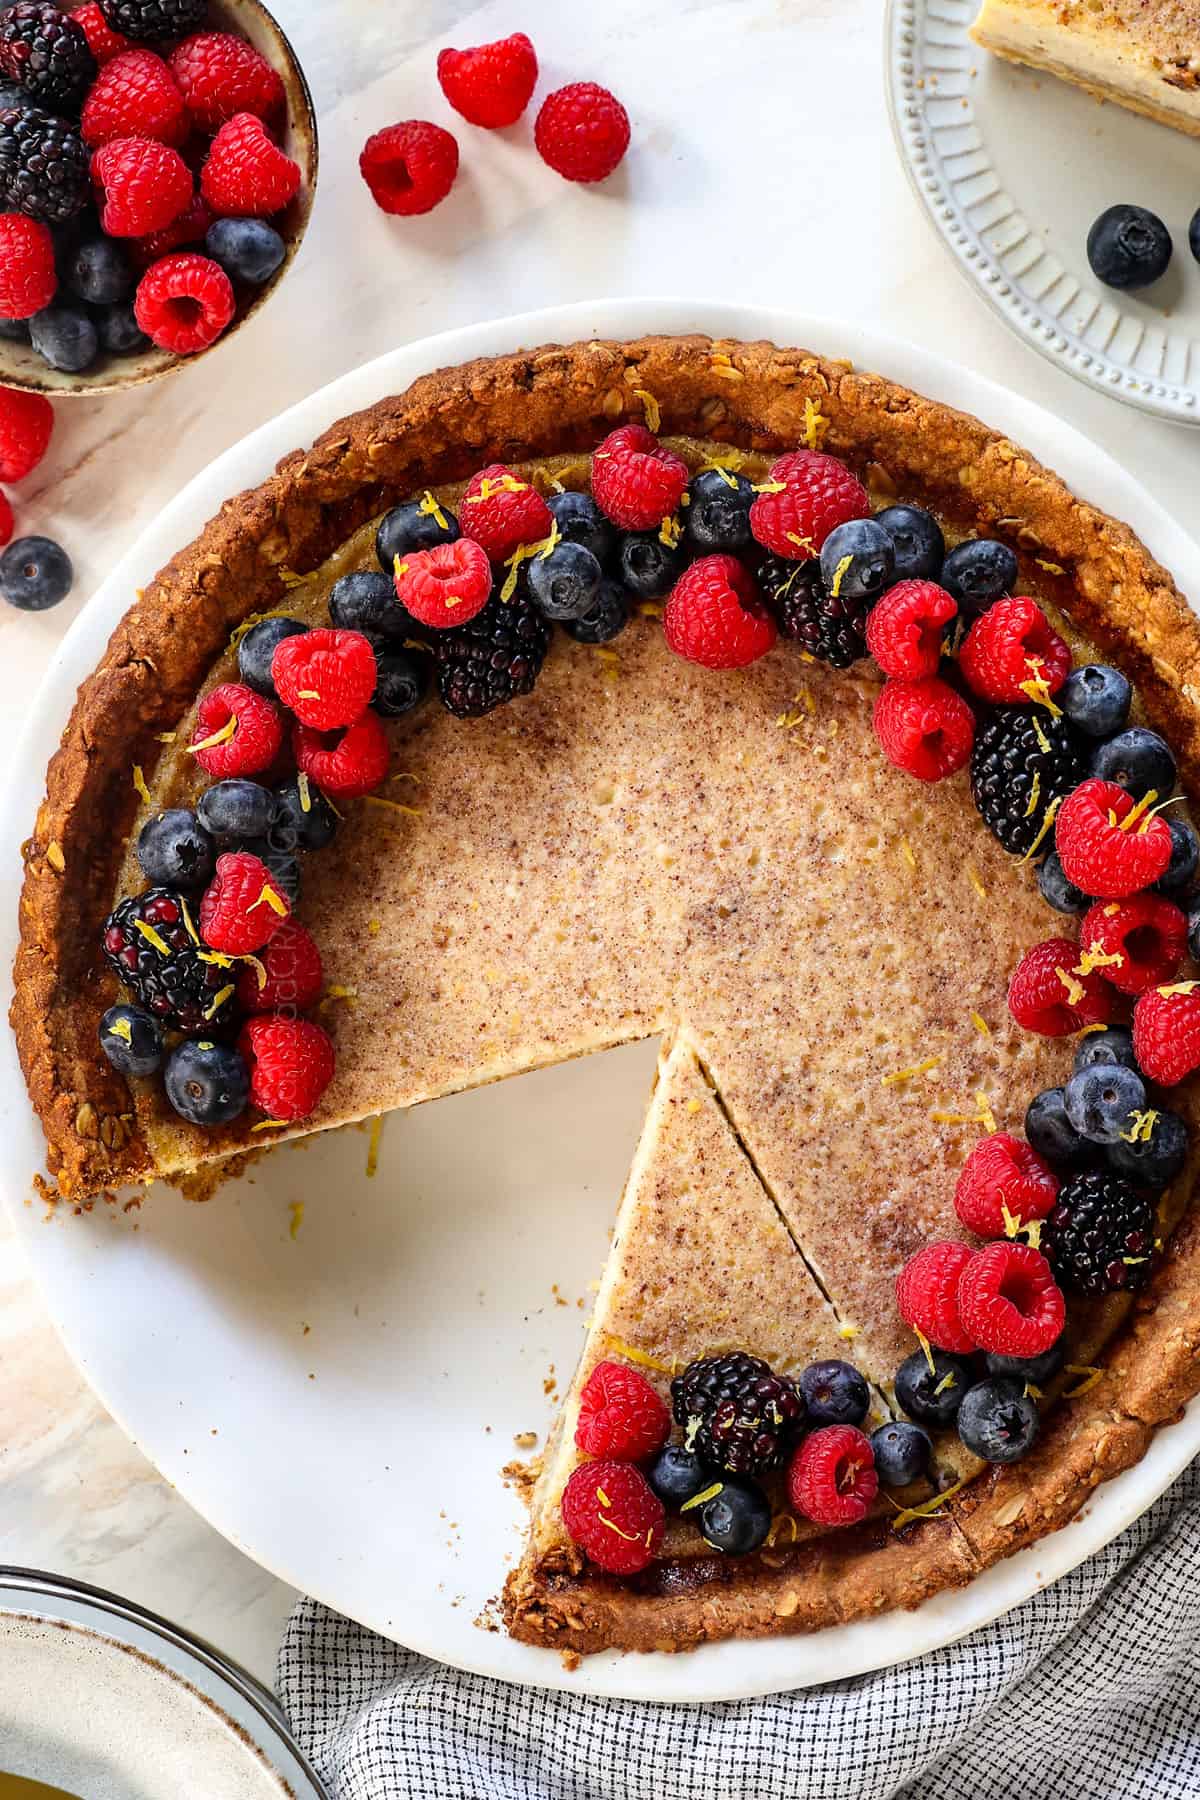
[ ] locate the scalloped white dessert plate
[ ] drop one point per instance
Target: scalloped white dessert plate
(339, 1402)
(1012, 167)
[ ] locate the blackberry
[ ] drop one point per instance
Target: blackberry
(1100, 1236)
(43, 165)
(147, 20)
(496, 656)
(737, 1414)
(149, 947)
(1014, 747)
(47, 54)
(834, 631)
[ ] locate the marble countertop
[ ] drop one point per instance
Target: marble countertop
(762, 170)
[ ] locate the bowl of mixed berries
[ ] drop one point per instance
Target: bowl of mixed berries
(157, 166)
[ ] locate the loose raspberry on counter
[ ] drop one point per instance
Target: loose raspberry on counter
(190, 227)
(620, 1414)
(715, 615)
(635, 481)
(581, 131)
(325, 677)
(26, 421)
(610, 1510)
(832, 1478)
(1049, 995)
(142, 185)
(291, 1063)
(237, 731)
(1004, 1184)
(1111, 845)
(818, 494)
(906, 626)
(409, 168)
(1166, 1032)
(28, 280)
(294, 978)
(103, 42)
(344, 764)
(220, 75)
(245, 175)
(184, 302)
(924, 727)
(1009, 1301)
(1136, 944)
(243, 905)
(134, 95)
(491, 84)
(1012, 653)
(927, 1295)
(444, 586)
(502, 512)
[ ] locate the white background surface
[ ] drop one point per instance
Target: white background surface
(762, 170)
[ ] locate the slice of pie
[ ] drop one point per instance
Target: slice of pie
(590, 836)
(1144, 54)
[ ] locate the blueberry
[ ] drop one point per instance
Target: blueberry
(580, 521)
(233, 810)
(1052, 1134)
(649, 568)
(407, 528)
(1193, 919)
(676, 1475)
(1136, 760)
(977, 572)
(1185, 854)
(175, 850)
(918, 546)
(1100, 1100)
(258, 647)
(366, 601)
(100, 272)
(1112, 1045)
(607, 619)
(1096, 699)
(248, 250)
(902, 1452)
(835, 1393)
(1155, 1162)
(402, 680)
(1056, 890)
(737, 1519)
(120, 333)
(857, 560)
(281, 859)
(206, 1083)
(64, 337)
(16, 330)
(35, 573)
(718, 517)
(932, 1396)
(297, 826)
(997, 1420)
(1193, 230)
(1035, 1369)
(132, 1040)
(1128, 247)
(564, 585)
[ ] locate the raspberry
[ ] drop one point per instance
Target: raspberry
(1013, 653)
(582, 131)
(1147, 935)
(926, 1295)
(924, 727)
(612, 1513)
(142, 185)
(620, 1414)
(219, 75)
(44, 169)
(325, 677)
(832, 1478)
(345, 764)
(6, 520)
(1009, 1301)
(445, 586)
(134, 95)
(27, 276)
(1004, 1183)
(1166, 1032)
(103, 42)
(47, 54)
(26, 421)
(1108, 844)
(490, 85)
(905, 628)
(409, 168)
(189, 228)
(715, 615)
(501, 512)
(290, 1063)
(819, 493)
(243, 905)
(245, 175)
(184, 302)
(635, 482)
(294, 976)
(1047, 993)
(237, 731)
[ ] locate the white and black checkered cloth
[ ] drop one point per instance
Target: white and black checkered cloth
(1089, 1690)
